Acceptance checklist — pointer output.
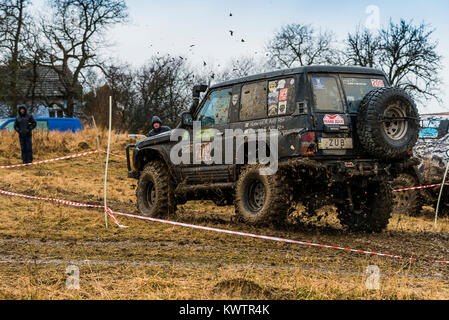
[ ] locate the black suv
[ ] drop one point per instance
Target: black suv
(344, 134)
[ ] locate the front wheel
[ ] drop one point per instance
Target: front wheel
(367, 209)
(154, 192)
(406, 202)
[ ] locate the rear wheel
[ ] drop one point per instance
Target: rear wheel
(261, 199)
(155, 192)
(368, 208)
(406, 202)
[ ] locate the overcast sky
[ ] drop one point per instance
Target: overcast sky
(171, 26)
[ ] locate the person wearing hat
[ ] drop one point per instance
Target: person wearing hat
(24, 126)
(157, 127)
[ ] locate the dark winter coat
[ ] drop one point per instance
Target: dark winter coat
(161, 129)
(24, 124)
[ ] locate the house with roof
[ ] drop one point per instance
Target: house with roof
(41, 90)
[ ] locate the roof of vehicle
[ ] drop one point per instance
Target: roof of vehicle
(305, 69)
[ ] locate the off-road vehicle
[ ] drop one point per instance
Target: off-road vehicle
(345, 134)
(432, 155)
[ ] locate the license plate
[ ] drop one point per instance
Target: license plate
(335, 143)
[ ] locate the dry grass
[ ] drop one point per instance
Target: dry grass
(38, 240)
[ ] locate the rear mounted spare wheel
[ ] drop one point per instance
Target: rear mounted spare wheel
(388, 123)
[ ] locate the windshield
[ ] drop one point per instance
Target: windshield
(357, 88)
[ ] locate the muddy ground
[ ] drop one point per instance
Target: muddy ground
(39, 240)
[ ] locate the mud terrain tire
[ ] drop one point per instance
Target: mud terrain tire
(261, 199)
(154, 191)
(371, 211)
(406, 202)
(385, 139)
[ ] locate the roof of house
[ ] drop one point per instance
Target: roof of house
(45, 81)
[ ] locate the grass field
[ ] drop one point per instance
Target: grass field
(39, 240)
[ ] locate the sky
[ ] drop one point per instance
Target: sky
(172, 26)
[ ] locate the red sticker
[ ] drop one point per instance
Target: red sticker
(378, 83)
(335, 119)
(283, 94)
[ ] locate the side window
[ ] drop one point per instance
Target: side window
(281, 97)
(254, 101)
(326, 94)
(215, 110)
(42, 125)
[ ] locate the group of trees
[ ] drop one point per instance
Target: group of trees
(63, 39)
(68, 36)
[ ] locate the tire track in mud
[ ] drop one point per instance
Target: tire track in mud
(19, 260)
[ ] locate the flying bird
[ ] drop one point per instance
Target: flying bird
(204, 63)
(243, 40)
(231, 32)
(230, 14)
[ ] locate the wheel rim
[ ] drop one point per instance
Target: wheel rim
(395, 129)
(256, 195)
(150, 194)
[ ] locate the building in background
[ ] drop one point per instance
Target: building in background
(40, 90)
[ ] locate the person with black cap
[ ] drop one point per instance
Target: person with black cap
(157, 127)
(24, 125)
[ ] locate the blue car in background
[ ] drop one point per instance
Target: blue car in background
(47, 124)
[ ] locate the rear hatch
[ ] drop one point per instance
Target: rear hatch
(336, 99)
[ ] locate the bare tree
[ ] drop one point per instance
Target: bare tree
(71, 38)
(301, 45)
(404, 51)
(14, 19)
(363, 48)
(410, 59)
(164, 89)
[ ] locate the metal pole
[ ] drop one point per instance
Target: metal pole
(107, 163)
(441, 193)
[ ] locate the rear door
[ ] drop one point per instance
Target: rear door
(331, 120)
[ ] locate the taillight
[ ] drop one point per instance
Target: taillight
(308, 143)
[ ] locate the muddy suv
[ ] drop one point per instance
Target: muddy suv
(344, 135)
(432, 155)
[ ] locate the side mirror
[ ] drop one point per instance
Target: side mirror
(186, 119)
(447, 153)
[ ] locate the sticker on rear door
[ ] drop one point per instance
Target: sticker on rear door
(333, 119)
(319, 84)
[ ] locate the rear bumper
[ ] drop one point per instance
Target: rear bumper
(353, 168)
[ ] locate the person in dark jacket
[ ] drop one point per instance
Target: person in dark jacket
(24, 125)
(157, 127)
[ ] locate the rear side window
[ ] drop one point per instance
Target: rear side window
(215, 110)
(254, 101)
(357, 88)
(281, 97)
(326, 94)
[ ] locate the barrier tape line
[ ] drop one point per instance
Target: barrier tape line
(192, 226)
(64, 202)
(422, 187)
(58, 159)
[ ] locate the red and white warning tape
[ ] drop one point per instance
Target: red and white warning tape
(64, 202)
(185, 225)
(422, 187)
(57, 159)
(50, 160)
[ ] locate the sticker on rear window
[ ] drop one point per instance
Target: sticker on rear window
(283, 95)
(377, 83)
(319, 84)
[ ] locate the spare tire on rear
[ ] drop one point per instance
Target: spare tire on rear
(388, 123)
